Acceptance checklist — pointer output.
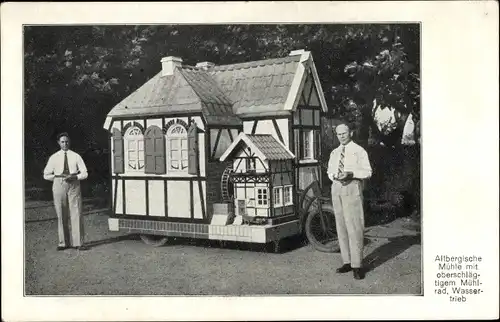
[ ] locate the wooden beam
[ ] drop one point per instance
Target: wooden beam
(278, 132)
(165, 194)
(254, 127)
(147, 196)
(191, 201)
(216, 143)
(171, 178)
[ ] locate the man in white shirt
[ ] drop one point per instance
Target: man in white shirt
(348, 167)
(66, 168)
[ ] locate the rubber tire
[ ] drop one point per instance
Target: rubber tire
(276, 246)
(153, 240)
(332, 248)
(273, 247)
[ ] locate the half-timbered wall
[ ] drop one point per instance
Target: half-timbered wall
(306, 134)
(246, 160)
(249, 186)
(219, 141)
(173, 195)
(278, 127)
(214, 176)
(282, 187)
(281, 172)
(165, 124)
(251, 193)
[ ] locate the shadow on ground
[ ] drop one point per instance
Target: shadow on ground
(111, 240)
(286, 244)
(393, 248)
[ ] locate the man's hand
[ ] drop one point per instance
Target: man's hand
(345, 177)
(71, 177)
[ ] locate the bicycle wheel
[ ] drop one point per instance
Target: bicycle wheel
(153, 240)
(322, 234)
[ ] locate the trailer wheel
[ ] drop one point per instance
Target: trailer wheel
(154, 240)
(273, 247)
(323, 239)
(277, 246)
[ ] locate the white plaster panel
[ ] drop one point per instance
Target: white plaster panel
(156, 198)
(156, 122)
(283, 126)
(247, 127)
(178, 199)
(135, 197)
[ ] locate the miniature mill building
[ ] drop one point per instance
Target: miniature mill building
(202, 150)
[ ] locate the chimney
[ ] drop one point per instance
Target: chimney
(168, 65)
(205, 65)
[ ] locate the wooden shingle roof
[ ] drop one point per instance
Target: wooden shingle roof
(216, 107)
(257, 86)
(270, 147)
(223, 93)
(265, 146)
(186, 91)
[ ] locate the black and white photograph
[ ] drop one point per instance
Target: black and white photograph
(249, 160)
(222, 159)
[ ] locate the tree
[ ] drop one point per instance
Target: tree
(75, 75)
(388, 79)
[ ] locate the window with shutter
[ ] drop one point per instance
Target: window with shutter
(118, 157)
(135, 149)
(177, 156)
(154, 151)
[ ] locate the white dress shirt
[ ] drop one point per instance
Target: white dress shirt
(55, 166)
(355, 161)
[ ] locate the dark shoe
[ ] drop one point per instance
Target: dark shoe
(358, 273)
(61, 248)
(83, 247)
(344, 269)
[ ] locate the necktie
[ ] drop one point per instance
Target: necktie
(341, 161)
(66, 166)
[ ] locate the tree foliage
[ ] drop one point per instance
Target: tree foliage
(75, 74)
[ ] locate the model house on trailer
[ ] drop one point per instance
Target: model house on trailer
(262, 176)
(195, 143)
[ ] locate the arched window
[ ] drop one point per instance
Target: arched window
(177, 147)
(134, 142)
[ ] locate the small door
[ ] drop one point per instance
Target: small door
(242, 208)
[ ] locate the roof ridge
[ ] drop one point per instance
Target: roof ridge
(193, 68)
(255, 63)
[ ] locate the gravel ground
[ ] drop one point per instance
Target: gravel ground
(118, 264)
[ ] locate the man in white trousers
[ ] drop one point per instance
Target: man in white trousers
(66, 168)
(348, 167)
